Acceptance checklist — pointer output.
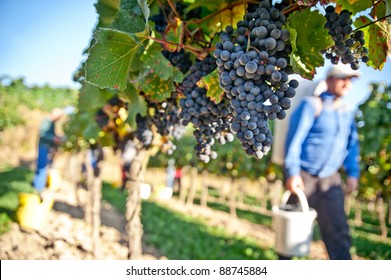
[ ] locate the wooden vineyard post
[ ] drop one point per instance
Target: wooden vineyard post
(381, 214)
(264, 195)
(192, 186)
(389, 211)
(232, 198)
(74, 173)
(96, 208)
(204, 185)
(357, 213)
(93, 204)
(243, 182)
(348, 202)
(185, 184)
(133, 204)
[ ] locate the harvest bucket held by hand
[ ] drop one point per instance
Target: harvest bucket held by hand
(293, 228)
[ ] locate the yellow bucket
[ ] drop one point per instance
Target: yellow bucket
(33, 213)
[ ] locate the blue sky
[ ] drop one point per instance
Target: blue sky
(43, 41)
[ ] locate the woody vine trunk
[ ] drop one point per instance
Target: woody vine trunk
(134, 226)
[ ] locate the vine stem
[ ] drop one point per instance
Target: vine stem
(173, 8)
(380, 19)
(195, 51)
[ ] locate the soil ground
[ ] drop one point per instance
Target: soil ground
(67, 236)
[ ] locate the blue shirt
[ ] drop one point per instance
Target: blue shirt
(47, 133)
(321, 145)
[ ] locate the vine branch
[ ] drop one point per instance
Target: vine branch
(196, 51)
(380, 19)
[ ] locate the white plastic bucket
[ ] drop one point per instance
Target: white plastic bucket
(145, 190)
(294, 229)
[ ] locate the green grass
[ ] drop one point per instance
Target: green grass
(12, 182)
(252, 217)
(183, 237)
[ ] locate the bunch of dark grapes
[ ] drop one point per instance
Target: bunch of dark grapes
(160, 21)
(253, 66)
(165, 117)
(348, 44)
(211, 121)
(180, 59)
(107, 115)
(102, 119)
(143, 133)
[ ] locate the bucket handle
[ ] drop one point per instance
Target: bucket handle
(302, 199)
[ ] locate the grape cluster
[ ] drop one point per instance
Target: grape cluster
(165, 116)
(211, 121)
(348, 45)
(143, 132)
(108, 116)
(253, 67)
(102, 119)
(180, 59)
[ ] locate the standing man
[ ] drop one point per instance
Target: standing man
(48, 142)
(322, 138)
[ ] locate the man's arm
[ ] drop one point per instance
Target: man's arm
(351, 163)
(300, 124)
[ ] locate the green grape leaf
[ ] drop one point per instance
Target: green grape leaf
(138, 7)
(132, 17)
(88, 129)
(307, 44)
(156, 62)
(154, 86)
(354, 6)
(377, 38)
(128, 21)
(177, 75)
(228, 16)
(174, 34)
(136, 105)
(131, 5)
(110, 58)
(212, 83)
(106, 10)
(92, 98)
(380, 11)
(125, 95)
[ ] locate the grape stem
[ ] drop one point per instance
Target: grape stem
(253, 48)
(200, 53)
(173, 8)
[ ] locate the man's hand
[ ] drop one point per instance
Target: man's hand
(294, 182)
(351, 184)
(58, 140)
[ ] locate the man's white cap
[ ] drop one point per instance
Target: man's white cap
(57, 113)
(342, 71)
